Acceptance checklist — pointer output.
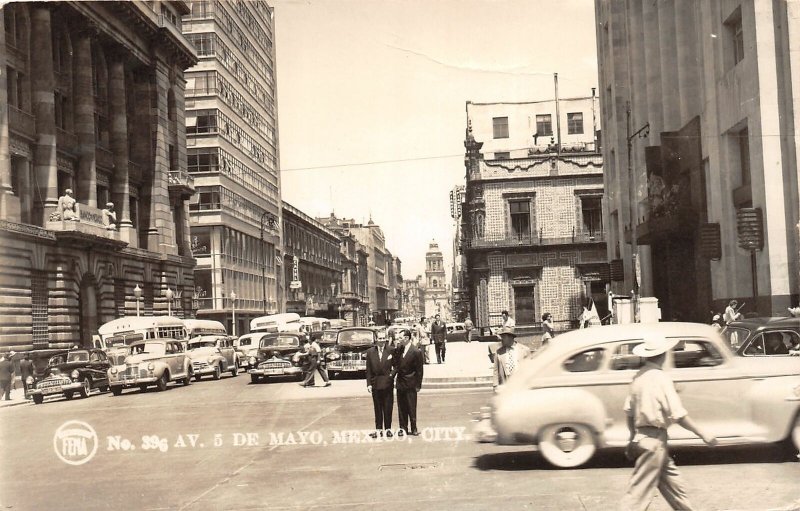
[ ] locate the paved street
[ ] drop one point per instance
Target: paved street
(300, 456)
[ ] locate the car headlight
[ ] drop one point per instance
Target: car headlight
(151, 366)
(252, 360)
(29, 380)
(333, 356)
(210, 360)
(113, 370)
(75, 374)
(364, 356)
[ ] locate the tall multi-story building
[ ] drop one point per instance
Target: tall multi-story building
(701, 120)
(397, 285)
(533, 229)
(313, 265)
(437, 300)
(232, 128)
(92, 95)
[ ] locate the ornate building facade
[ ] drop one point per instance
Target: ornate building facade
(92, 102)
(700, 119)
(437, 299)
(313, 265)
(232, 126)
(533, 229)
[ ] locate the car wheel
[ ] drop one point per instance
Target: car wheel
(254, 378)
(161, 384)
(143, 387)
(68, 395)
(235, 370)
(188, 380)
(217, 372)
(86, 388)
(196, 377)
(103, 388)
(38, 399)
(567, 445)
(116, 390)
(796, 432)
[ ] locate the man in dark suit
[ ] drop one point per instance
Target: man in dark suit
(380, 382)
(439, 336)
(408, 369)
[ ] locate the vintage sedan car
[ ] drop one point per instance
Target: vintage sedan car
(212, 355)
(349, 354)
(456, 332)
(764, 337)
(568, 398)
(151, 362)
(277, 355)
(78, 371)
(246, 346)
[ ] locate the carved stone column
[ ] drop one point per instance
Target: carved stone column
(43, 100)
(161, 229)
(120, 185)
(5, 171)
(86, 180)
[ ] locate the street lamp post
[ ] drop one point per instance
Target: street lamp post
(642, 132)
(233, 311)
(170, 296)
(137, 292)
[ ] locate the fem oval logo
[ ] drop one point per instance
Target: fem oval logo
(75, 442)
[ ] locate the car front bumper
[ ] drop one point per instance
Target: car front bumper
(276, 371)
(56, 389)
(132, 382)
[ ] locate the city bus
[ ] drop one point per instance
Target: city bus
(198, 327)
(286, 322)
(117, 334)
(315, 326)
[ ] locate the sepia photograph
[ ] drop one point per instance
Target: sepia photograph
(402, 255)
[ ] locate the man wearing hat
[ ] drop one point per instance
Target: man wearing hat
(653, 404)
(508, 356)
(6, 375)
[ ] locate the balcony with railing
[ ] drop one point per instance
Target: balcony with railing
(181, 183)
(66, 141)
(21, 122)
(535, 240)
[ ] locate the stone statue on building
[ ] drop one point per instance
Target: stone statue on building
(66, 209)
(109, 217)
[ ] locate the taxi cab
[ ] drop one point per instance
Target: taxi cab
(567, 398)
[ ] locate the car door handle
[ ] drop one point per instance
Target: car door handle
(679, 387)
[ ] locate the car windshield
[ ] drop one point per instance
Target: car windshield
(328, 337)
(151, 348)
(78, 356)
(734, 336)
(202, 344)
(355, 337)
(281, 342)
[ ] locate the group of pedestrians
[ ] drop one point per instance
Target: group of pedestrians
(391, 367)
(8, 373)
(315, 374)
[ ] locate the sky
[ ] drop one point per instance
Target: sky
(372, 100)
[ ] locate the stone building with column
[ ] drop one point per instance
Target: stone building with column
(92, 101)
(533, 229)
(701, 115)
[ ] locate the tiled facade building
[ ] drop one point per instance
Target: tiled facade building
(232, 127)
(312, 257)
(533, 230)
(700, 115)
(92, 100)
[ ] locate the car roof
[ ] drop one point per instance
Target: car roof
(585, 337)
(779, 321)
